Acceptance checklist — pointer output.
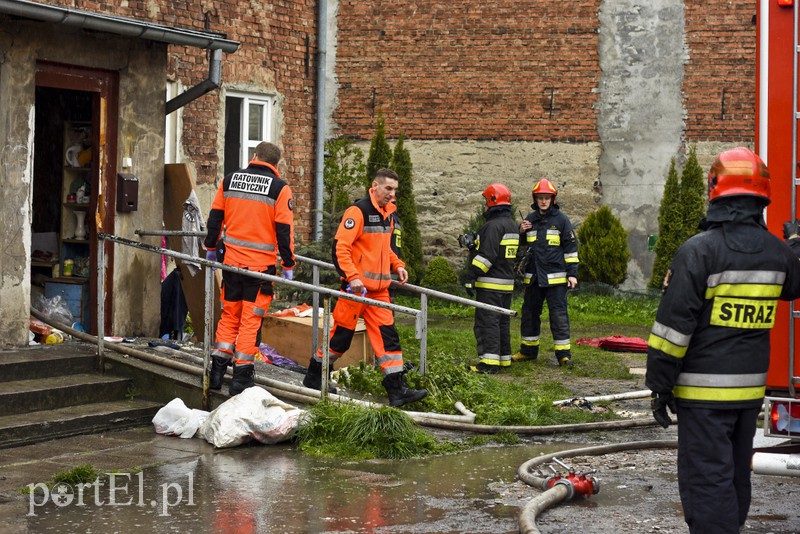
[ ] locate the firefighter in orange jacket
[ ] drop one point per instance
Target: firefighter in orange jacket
(253, 210)
(364, 258)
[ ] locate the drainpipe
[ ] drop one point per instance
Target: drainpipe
(207, 85)
(319, 155)
(85, 20)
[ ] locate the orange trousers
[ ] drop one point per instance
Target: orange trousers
(245, 302)
(380, 330)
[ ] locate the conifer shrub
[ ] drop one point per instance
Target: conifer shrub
(411, 241)
(380, 153)
(669, 227)
(603, 248)
(439, 274)
(693, 191)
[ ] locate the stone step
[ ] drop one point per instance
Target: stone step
(41, 362)
(42, 425)
(50, 393)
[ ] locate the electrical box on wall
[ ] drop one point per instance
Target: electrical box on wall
(127, 192)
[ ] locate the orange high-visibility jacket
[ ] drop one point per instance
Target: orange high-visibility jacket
(362, 246)
(253, 207)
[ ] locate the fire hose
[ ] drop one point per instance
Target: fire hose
(559, 488)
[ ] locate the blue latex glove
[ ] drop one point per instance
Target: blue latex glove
(288, 274)
(350, 290)
(211, 255)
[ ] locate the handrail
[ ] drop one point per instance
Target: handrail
(421, 325)
(327, 265)
(210, 295)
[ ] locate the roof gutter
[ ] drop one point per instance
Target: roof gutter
(126, 27)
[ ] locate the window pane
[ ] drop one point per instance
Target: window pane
(255, 128)
(250, 153)
(233, 134)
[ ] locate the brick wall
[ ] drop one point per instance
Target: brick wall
(277, 47)
(720, 78)
(524, 70)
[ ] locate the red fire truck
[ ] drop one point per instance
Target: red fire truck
(777, 121)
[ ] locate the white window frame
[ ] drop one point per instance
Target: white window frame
(173, 126)
(266, 102)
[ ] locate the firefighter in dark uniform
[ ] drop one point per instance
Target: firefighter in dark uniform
(253, 209)
(708, 351)
(363, 256)
(551, 268)
(491, 275)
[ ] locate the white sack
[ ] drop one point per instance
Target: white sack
(176, 419)
(252, 414)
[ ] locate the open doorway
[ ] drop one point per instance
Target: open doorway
(62, 178)
(74, 146)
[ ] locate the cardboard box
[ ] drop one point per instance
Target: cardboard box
(292, 338)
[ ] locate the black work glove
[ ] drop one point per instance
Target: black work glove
(469, 290)
(659, 402)
(790, 229)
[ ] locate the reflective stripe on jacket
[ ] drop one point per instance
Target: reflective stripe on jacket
(492, 262)
(362, 245)
(253, 210)
(552, 248)
(710, 342)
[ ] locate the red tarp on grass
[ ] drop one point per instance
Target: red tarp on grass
(615, 343)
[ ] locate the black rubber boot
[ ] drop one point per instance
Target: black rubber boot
(218, 367)
(564, 358)
(313, 379)
(399, 393)
(244, 376)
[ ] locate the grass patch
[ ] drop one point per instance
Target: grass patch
(82, 474)
(355, 432)
(522, 394)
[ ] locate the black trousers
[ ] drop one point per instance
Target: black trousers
(531, 322)
(714, 452)
(493, 330)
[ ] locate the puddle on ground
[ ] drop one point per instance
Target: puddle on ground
(276, 489)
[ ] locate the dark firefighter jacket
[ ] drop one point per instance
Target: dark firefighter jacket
(552, 253)
(362, 245)
(710, 342)
(492, 263)
(254, 208)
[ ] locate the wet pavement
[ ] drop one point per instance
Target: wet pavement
(168, 484)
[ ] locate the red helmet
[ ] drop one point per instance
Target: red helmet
(497, 195)
(545, 187)
(738, 172)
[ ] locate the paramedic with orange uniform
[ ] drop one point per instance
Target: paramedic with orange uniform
(364, 258)
(252, 215)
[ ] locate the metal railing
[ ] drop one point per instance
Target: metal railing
(420, 316)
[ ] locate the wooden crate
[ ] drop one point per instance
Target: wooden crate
(292, 338)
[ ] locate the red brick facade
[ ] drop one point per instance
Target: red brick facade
(719, 84)
(280, 38)
(525, 70)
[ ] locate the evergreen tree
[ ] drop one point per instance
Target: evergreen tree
(670, 227)
(693, 189)
(603, 248)
(380, 153)
(411, 242)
